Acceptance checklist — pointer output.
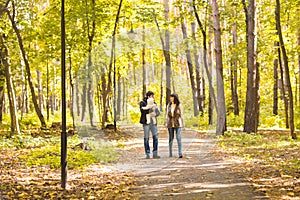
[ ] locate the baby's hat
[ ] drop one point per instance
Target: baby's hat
(150, 101)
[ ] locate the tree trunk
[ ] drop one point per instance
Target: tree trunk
(198, 76)
(124, 99)
(275, 88)
(283, 88)
(251, 110)
(104, 97)
(47, 95)
(298, 96)
(287, 74)
(119, 96)
(221, 108)
(71, 89)
(77, 99)
(1, 103)
(190, 65)
(144, 62)
(20, 41)
(112, 59)
(197, 64)
(40, 90)
(91, 36)
(2, 86)
(83, 101)
(167, 52)
(10, 90)
(90, 92)
(212, 96)
(161, 89)
(99, 99)
(233, 75)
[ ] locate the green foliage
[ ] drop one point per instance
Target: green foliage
(104, 153)
(50, 155)
(263, 146)
(46, 151)
(23, 141)
(235, 120)
(29, 120)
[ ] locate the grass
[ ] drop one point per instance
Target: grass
(46, 151)
(269, 154)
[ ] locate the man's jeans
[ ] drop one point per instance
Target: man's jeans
(178, 137)
(153, 128)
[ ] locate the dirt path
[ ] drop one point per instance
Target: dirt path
(198, 175)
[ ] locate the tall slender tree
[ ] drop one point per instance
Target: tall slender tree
(233, 74)
(189, 62)
(252, 98)
(167, 51)
(91, 32)
(286, 70)
(298, 41)
(11, 16)
(207, 65)
(15, 129)
(275, 88)
(283, 87)
(221, 108)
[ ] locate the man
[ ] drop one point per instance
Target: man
(149, 126)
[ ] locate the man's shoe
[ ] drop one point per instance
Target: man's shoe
(147, 156)
(155, 156)
(180, 156)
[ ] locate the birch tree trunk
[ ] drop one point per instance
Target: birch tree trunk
(198, 76)
(221, 108)
(206, 59)
(15, 129)
(190, 65)
(287, 74)
(28, 71)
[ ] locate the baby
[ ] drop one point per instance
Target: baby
(151, 107)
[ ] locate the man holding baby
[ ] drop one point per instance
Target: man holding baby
(149, 112)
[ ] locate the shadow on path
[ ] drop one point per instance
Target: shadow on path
(198, 175)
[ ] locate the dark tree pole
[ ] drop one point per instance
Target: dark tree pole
(63, 99)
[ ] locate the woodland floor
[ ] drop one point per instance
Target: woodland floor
(198, 175)
(204, 172)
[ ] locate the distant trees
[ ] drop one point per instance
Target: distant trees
(205, 52)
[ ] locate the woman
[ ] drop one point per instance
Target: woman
(174, 122)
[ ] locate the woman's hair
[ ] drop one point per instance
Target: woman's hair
(176, 99)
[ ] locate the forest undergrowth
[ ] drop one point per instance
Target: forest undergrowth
(269, 159)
